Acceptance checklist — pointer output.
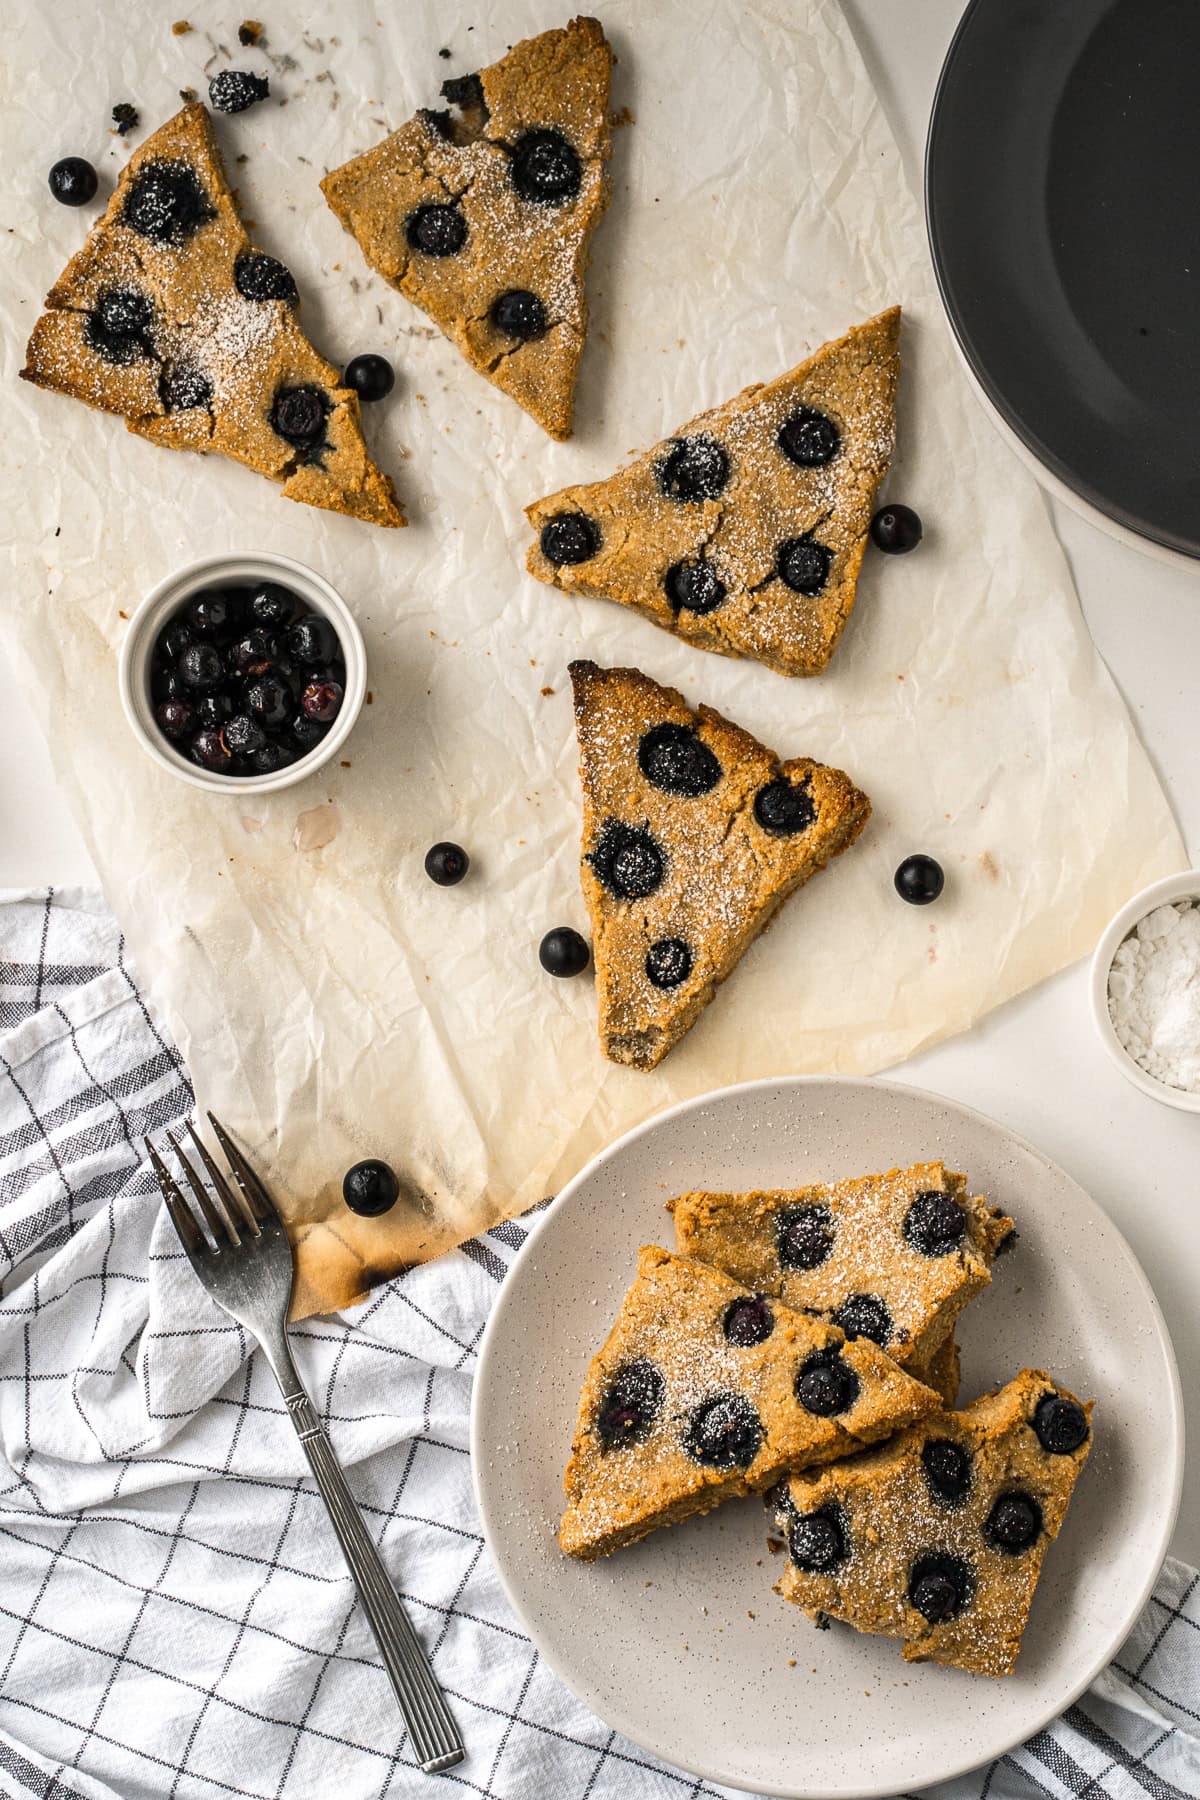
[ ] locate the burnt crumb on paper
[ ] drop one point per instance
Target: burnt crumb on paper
(125, 117)
(180, 28)
(250, 32)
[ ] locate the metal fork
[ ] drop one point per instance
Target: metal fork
(247, 1269)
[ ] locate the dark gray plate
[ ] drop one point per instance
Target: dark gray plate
(1062, 189)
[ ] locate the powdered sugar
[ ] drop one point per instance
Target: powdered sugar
(1154, 995)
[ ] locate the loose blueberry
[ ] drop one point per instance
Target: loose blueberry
(118, 326)
(372, 377)
(446, 864)
(803, 565)
(312, 639)
(207, 749)
(935, 1224)
(183, 386)
(213, 612)
(940, 1586)
(865, 1315)
(919, 880)
(668, 962)
(233, 90)
(694, 586)
(305, 733)
(166, 203)
(749, 1321)
(724, 1433)
(319, 700)
(201, 667)
(270, 604)
(436, 229)
(175, 719)
(271, 758)
(173, 640)
(674, 759)
(809, 438)
(545, 168)
(259, 277)
(569, 538)
(269, 700)
(804, 1236)
(896, 529)
(298, 414)
(817, 1541)
(1060, 1424)
(370, 1188)
(694, 469)
(519, 314)
(254, 653)
(563, 952)
(1014, 1524)
(782, 809)
(628, 860)
(632, 1401)
(826, 1385)
(165, 683)
(214, 708)
(243, 735)
(947, 1470)
(73, 181)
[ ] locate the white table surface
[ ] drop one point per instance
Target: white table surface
(1035, 1064)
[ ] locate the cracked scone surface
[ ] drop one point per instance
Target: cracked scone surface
(147, 320)
(883, 1518)
(470, 160)
(722, 536)
(677, 1414)
(900, 1253)
(678, 872)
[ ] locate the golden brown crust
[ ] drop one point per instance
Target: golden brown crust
(673, 1318)
(559, 80)
(725, 876)
(868, 1254)
(766, 501)
(890, 1516)
(245, 350)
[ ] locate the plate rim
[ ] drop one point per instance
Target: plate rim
(897, 1090)
(1048, 466)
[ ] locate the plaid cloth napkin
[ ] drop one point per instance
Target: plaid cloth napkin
(174, 1620)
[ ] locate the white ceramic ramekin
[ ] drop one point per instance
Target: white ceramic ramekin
(1161, 893)
(236, 568)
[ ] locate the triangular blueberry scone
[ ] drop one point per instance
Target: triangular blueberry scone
(894, 1257)
(483, 216)
(704, 1391)
(170, 317)
(744, 533)
(938, 1537)
(693, 836)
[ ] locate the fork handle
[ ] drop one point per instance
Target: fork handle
(432, 1729)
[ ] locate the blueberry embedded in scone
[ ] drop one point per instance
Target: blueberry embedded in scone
(169, 317)
(482, 213)
(894, 1257)
(744, 533)
(938, 1536)
(694, 835)
(703, 1391)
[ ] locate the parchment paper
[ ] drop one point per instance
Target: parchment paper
(331, 1002)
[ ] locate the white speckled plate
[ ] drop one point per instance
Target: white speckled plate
(715, 1692)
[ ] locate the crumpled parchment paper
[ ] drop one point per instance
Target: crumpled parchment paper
(330, 1001)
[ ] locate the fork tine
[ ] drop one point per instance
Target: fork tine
(216, 1218)
(232, 1203)
(257, 1197)
(190, 1234)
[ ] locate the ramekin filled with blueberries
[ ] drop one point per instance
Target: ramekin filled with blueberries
(243, 672)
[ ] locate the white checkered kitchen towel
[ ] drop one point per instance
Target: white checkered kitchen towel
(173, 1620)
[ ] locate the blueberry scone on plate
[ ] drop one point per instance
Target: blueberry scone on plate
(894, 1257)
(482, 213)
(938, 1537)
(703, 1391)
(693, 837)
(170, 317)
(743, 533)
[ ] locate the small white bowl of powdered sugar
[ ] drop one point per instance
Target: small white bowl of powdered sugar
(1146, 990)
